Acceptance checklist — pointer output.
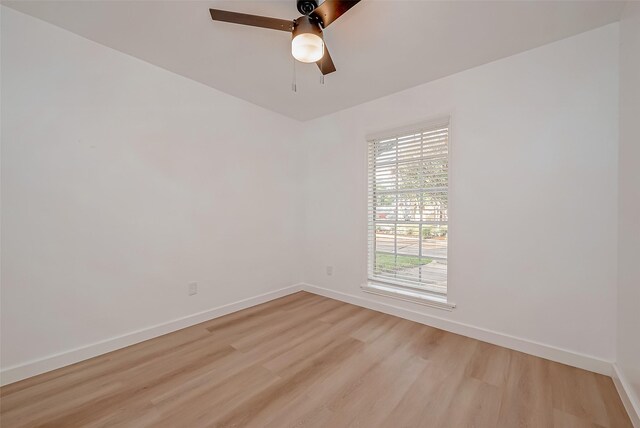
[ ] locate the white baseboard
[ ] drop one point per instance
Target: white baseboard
(56, 361)
(542, 350)
(629, 399)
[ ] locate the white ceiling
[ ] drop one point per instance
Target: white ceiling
(379, 47)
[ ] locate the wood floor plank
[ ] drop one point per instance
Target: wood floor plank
(489, 364)
(475, 404)
(367, 401)
(425, 402)
(295, 382)
(565, 420)
(527, 399)
(309, 361)
(202, 410)
(309, 314)
(302, 411)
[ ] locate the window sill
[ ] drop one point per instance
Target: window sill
(421, 298)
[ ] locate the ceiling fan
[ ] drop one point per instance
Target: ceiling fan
(307, 44)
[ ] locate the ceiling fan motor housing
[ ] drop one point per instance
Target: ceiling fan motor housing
(305, 7)
(306, 24)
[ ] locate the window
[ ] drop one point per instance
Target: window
(408, 209)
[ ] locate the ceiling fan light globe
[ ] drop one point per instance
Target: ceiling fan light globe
(307, 47)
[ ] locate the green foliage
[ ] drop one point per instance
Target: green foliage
(433, 231)
(410, 231)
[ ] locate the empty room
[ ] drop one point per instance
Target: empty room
(308, 213)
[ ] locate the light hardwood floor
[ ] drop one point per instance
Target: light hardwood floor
(309, 361)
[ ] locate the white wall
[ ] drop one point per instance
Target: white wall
(121, 183)
(533, 192)
(628, 358)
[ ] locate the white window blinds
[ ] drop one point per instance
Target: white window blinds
(408, 201)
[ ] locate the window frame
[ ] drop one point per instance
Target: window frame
(386, 286)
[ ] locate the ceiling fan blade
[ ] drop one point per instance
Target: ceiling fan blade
(253, 20)
(331, 10)
(325, 64)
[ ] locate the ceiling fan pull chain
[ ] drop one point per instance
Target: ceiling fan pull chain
(322, 65)
(324, 48)
(294, 87)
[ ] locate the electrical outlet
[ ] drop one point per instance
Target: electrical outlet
(329, 270)
(193, 288)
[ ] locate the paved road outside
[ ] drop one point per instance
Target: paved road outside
(410, 245)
